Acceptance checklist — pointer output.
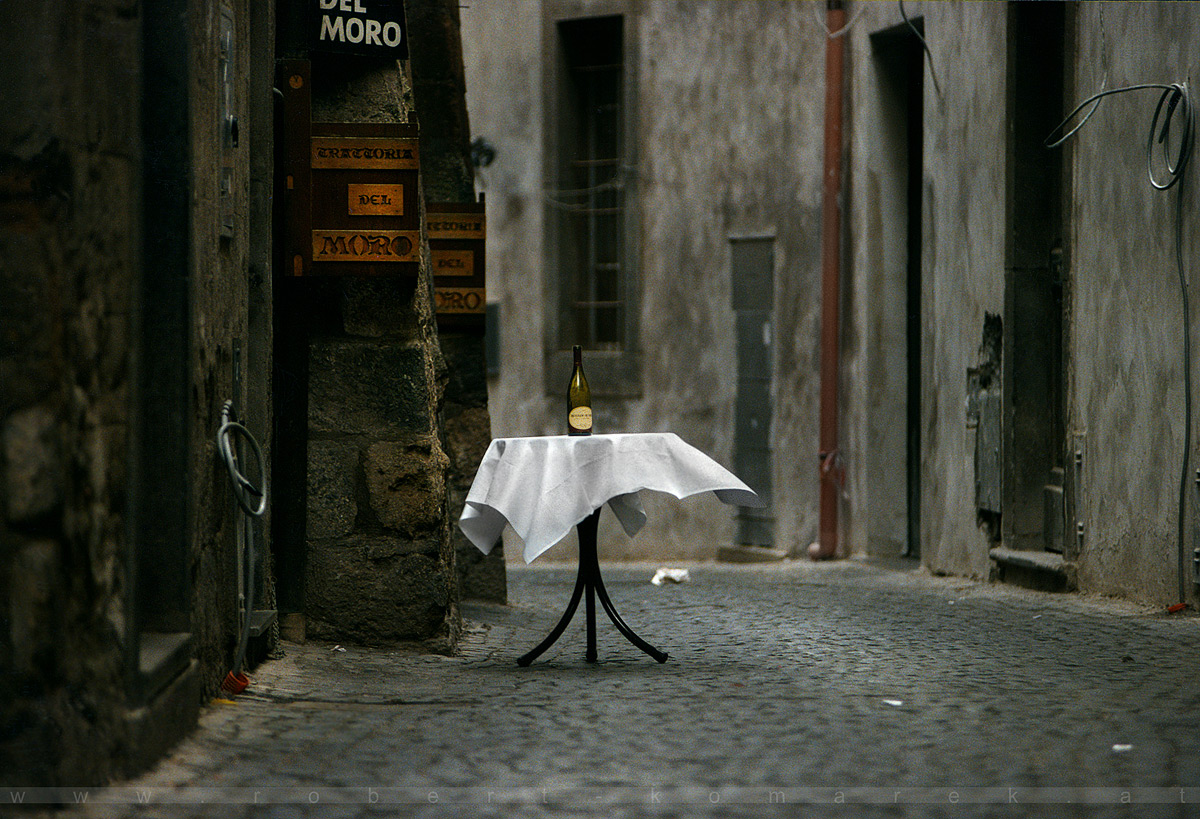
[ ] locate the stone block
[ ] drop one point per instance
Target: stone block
(468, 435)
(406, 484)
(374, 308)
(351, 597)
(33, 467)
(332, 481)
(29, 602)
(358, 387)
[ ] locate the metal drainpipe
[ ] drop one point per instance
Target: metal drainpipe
(829, 467)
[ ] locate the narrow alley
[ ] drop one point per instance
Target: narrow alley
(800, 688)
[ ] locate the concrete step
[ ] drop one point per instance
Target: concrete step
(749, 554)
(1044, 571)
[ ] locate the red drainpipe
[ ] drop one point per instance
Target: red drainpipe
(831, 239)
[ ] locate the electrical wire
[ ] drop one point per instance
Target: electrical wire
(932, 74)
(1176, 97)
(845, 29)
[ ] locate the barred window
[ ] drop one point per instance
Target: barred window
(591, 190)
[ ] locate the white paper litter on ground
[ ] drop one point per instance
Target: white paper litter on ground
(670, 575)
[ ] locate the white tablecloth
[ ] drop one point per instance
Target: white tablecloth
(545, 486)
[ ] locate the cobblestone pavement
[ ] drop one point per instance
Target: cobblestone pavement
(790, 690)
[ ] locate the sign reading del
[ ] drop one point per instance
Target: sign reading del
(369, 27)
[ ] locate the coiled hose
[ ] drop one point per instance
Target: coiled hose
(252, 502)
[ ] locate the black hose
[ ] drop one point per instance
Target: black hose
(252, 500)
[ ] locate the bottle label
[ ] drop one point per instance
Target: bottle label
(580, 418)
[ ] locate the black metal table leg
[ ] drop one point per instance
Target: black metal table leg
(528, 658)
(661, 656)
(589, 581)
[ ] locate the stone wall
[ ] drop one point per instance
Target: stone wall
(68, 259)
(379, 565)
(379, 569)
(83, 694)
(447, 177)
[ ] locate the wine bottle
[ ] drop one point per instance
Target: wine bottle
(579, 399)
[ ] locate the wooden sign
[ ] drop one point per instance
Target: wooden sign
(349, 190)
(457, 234)
(360, 213)
(373, 199)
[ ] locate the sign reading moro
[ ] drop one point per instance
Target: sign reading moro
(369, 27)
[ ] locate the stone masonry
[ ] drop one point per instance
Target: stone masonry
(379, 564)
(447, 176)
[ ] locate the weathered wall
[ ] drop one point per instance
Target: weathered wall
(727, 148)
(502, 55)
(729, 129)
(1127, 328)
(73, 705)
(962, 277)
(68, 260)
(446, 177)
(1125, 390)
(379, 563)
(222, 287)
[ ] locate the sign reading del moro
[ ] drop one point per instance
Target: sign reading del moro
(369, 27)
(457, 234)
(365, 215)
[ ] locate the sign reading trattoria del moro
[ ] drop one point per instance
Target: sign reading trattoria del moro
(368, 27)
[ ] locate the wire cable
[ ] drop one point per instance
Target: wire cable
(1175, 101)
(929, 55)
(845, 29)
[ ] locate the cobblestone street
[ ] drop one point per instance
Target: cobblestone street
(790, 689)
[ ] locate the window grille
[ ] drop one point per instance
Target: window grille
(591, 190)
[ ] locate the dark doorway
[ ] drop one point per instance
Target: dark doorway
(161, 587)
(753, 269)
(899, 61)
(1034, 427)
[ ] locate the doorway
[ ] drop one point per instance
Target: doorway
(895, 187)
(753, 269)
(1034, 438)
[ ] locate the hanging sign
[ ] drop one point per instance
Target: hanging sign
(456, 247)
(361, 211)
(368, 27)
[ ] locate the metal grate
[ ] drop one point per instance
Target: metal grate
(591, 190)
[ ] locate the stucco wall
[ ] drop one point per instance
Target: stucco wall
(1124, 344)
(729, 138)
(963, 206)
(730, 103)
(1127, 334)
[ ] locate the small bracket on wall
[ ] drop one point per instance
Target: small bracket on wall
(1196, 531)
(1078, 441)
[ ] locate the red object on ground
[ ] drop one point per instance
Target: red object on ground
(235, 683)
(1175, 609)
